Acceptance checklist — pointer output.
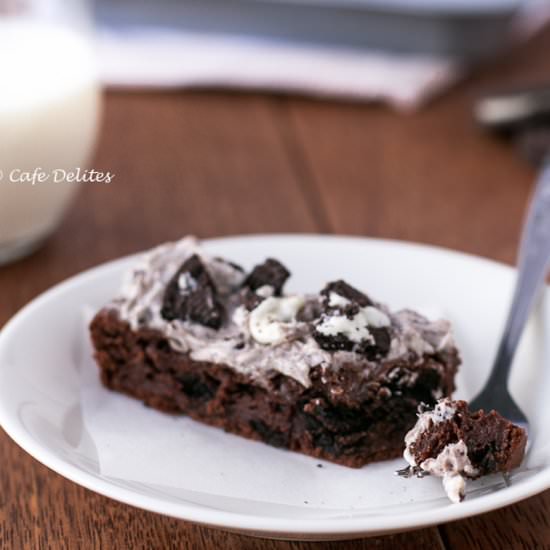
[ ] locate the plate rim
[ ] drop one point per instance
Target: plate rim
(260, 525)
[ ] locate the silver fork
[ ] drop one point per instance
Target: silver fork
(533, 264)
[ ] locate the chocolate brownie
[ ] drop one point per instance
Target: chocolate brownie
(335, 375)
(453, 443)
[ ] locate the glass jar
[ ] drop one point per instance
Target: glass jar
(49, 113)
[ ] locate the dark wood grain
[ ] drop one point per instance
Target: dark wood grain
(218, 164)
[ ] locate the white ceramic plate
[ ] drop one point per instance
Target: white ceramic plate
(40, 384)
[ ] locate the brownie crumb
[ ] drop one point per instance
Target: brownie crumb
(191, 295)
(271, 272)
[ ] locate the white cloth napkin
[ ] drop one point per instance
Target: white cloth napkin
(145, 57)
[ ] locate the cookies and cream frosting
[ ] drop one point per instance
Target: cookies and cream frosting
(260, 330)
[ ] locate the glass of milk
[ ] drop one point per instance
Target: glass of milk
(49, 112)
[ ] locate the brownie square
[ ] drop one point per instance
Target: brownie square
(334, 375)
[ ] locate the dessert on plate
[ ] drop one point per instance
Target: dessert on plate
(332, 374)
(451, 442)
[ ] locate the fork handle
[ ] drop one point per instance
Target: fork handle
(533, 264)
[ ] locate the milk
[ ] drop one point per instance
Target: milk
(49, 103)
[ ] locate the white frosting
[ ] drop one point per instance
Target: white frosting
(455, 487)
(225, 276)
(271, 320)
(420, 335)
(335, 300)
(242, 340)
(265, 291)
(452, 464)
(355, 329)
(375, 317)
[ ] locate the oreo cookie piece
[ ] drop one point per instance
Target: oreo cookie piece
(372, 351)
(272, 273)
(333, 342)
(350, 321)
(191, 295)
(252, 299)
(381, 346)
(249, 299)
(350, 294)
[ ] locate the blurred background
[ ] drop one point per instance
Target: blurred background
(94, 93)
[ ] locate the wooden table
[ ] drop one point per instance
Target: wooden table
(217, 164)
